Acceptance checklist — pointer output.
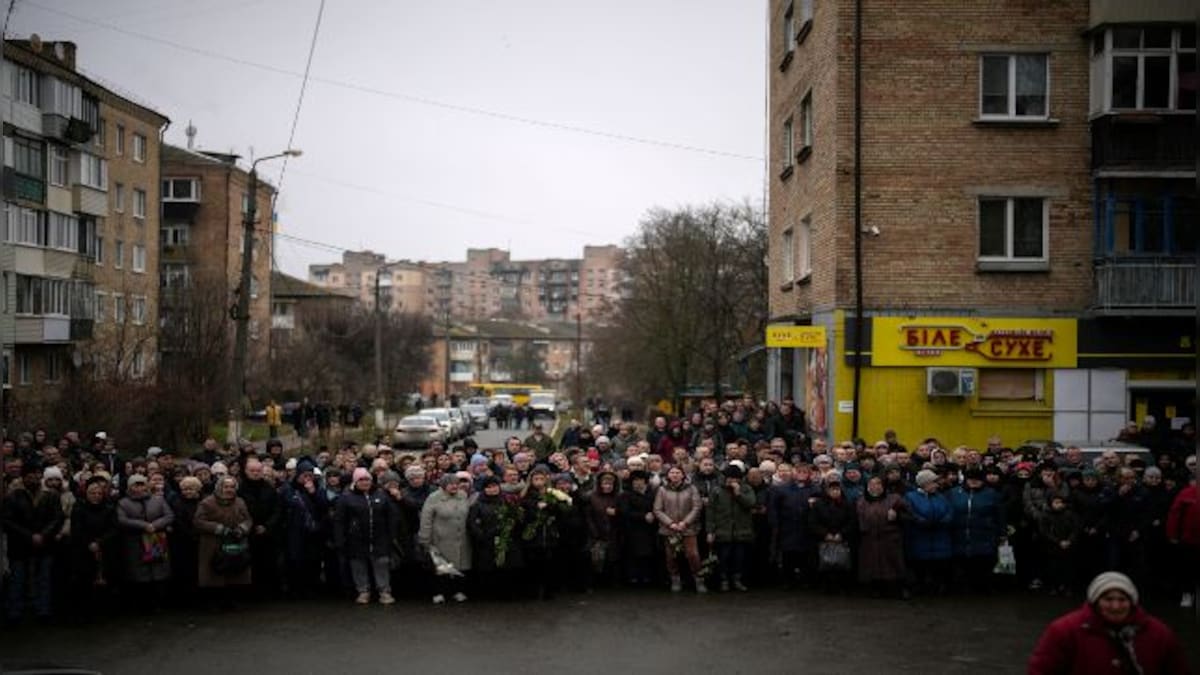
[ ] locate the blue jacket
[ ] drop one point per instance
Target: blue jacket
(978, 521)
(927, 535)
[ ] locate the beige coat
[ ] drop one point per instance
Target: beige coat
(209, 514)
(682, 505)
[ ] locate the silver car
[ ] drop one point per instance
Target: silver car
(418, 431)
(442, 415)
(478, 412)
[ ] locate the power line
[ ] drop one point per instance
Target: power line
(421, 100)
(312, 48)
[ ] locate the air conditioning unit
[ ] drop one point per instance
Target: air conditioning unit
(950, 382)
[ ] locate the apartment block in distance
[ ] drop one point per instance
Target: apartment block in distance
(1025, 215)
(70, 304)
(205, 196)
(487, 285)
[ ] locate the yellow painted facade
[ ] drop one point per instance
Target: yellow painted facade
(893, 397)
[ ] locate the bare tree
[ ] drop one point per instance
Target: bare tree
(696, 296)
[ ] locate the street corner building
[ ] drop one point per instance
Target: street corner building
(989, 213)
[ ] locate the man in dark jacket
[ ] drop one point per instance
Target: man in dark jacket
(266, 510)
(32, 520)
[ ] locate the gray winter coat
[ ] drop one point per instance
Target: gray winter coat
(132, 516)
(444, 528)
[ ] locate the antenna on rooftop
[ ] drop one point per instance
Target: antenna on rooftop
(190, 132)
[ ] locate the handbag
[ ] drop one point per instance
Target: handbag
(834, 556)
(232, 555)
(1006, 560)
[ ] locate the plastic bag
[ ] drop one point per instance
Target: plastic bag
(443, 567)
(1006, 561)
(834, 556)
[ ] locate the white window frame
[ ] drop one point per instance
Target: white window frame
(63, 231)
(137, 364)
(137, 309)
(119, 255)
(93, 171)
(787, 246)
(789, 144)
(24, 369)
(1009, 210)
(101, 311)
(139, 259)
(806, 121)
(1011, 108)
(119, 197)
(139, 203)
(118, 308)
(1141, 52)
(99, 250)
(168, 189)
(26, 87)
(789, 28)
(803, 237)
(60, 166)
(120, 144)
(139, 148)
(53, 374)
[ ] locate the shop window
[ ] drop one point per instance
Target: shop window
(1010, 384)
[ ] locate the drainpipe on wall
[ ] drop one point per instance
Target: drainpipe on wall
(858, 242)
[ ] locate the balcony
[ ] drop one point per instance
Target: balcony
(1144, 143)
(1148, 285)
(33, 330)
(21, 186)
(89, 200)
(70, 129)
(173, 252)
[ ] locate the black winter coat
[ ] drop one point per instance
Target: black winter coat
(27, 514)
(363, 524)
(264, 504)
(833, 517)
(483, 526)
(637, 535)
(787, 513)
(94, 523)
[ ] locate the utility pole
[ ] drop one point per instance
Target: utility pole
(241, 311)
(379, 396)
(446, 372)
(578, 351)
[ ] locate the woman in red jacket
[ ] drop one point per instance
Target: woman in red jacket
(1109, 634)
(1183, 530)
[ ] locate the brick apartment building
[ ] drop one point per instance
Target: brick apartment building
(80, 281)
(204, 202)
(1027, 189)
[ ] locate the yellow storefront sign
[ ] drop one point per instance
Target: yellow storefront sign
(976, 342)
(796, 337)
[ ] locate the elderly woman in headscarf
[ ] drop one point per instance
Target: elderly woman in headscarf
(144, 519)
(223, 526)
(184, 554)
(443, 536)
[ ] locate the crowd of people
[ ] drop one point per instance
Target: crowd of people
(732, 497)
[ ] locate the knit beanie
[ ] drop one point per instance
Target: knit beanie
(51, 473)
(1111, 581)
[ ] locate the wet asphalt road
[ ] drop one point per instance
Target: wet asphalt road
(608, 632)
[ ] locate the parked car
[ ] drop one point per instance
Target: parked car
(477, 410)
(463, 420)
(442, 415)
(541, 404)
(418, 431)
(1092, 450)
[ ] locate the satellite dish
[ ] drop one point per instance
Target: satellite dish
(60, 51)
(35, 43)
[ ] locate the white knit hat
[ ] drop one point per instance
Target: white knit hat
(1111, 581)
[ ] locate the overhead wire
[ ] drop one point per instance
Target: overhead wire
(410, 98)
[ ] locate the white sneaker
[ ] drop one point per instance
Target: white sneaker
(439, 599)
(363, 598)
(1187, 601)
(460, 597)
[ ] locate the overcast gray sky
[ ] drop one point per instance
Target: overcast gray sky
(409, 143)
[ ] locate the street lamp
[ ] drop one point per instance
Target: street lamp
(241, 317)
